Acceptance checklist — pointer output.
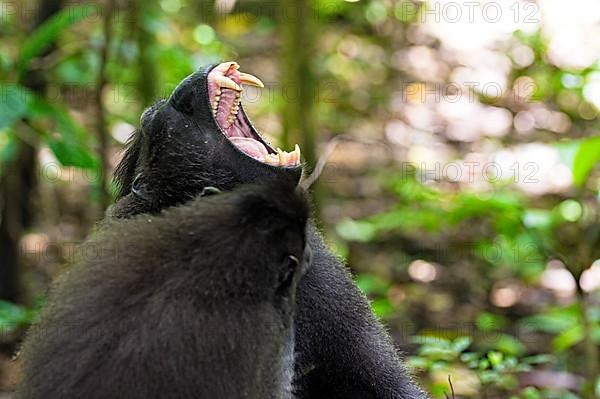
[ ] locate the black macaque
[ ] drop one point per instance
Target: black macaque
(194, 303)
(202, 137)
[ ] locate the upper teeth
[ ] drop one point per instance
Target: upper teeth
(224, 81)
(251, 80)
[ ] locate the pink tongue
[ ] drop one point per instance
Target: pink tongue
(252, 147)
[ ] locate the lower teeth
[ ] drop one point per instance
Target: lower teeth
(282, 158)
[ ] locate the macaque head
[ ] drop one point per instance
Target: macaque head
(200, 136)
(266, 234)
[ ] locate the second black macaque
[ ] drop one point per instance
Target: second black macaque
(194, 303)
(201, 137)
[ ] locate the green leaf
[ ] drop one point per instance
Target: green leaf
(418, 363)
(569, 337)
(382, 307)
(539, 359)
(8, 145)
(328, 10)
(438, 353)
(371, 284)
(509, 345)
(530, 393)
(45, 35)
(430, 340)
(469, 357)
(5, 63)
(553, 321)
(15, 101)
(13, 314)
(586, 158)
(460, 344)
(495, 358)
(71, 155)
(353, 230)
(490, 322)
(69, 145)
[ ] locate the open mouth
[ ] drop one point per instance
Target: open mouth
(224, 92)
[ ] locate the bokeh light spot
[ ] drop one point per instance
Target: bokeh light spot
(570, 210)
(204, 34)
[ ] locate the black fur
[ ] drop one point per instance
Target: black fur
(196, 302)
(342, 351)
(179, 150)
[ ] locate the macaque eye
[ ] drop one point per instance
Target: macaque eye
(138, 187)
(209, 190)
(291, 262)
(288, 270)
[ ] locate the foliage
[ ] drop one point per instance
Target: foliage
(449, 261)
(68, 141)
(14, 316)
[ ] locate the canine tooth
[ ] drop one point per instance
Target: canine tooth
(293, 157)
(251, 80)
(224, 81)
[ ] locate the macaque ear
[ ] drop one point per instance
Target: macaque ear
(287, 272)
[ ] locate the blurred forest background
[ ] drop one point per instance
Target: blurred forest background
(463, 189)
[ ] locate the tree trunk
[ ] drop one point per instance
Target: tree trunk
(147, 60)
(299, 91)
(297, 80)
(101, 128)
(18, 182)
